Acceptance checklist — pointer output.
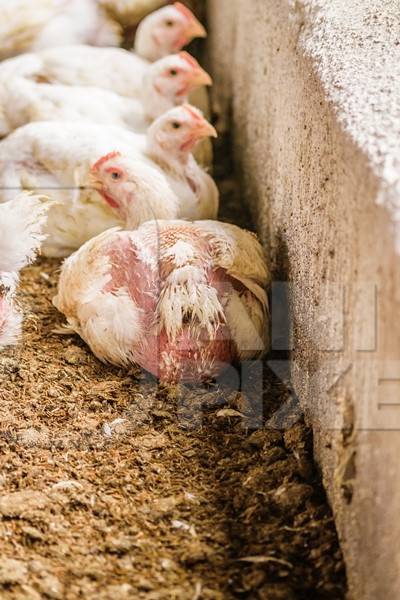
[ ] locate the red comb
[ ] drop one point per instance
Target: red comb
(189, 59)
(104, 159)
(193, 112)
(184, 10)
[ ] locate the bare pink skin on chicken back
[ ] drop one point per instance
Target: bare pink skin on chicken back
(192, 356)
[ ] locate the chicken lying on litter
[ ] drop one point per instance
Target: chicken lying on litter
(130, 12)
(27, 25)
(57, 158)
(166, 84)
(21, 224)
(182, 300)
(109, 68)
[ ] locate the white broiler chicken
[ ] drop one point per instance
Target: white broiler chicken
(110, 68)
(21, 223)
(166, 84)
(169, 143)
(57, 159)
(27, 25)
(130, 12)
(182, 300)
(21, 22)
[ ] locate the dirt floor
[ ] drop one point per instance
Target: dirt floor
(113, 487)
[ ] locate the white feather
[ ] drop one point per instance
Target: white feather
(180, 261)
(130, 12)
(107, 68)
(22, 22)
(246, 320)
(45, 23)
(187, 296)
(21, 224)
(111, 325)
(23, 101)
(10, 323)
(108, 322)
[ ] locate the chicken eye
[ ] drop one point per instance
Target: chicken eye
(115, 175)
(176, 125)
(173, 72)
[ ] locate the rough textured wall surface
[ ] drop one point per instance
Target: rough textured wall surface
(313, 90)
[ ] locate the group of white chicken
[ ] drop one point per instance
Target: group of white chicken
(103, 160)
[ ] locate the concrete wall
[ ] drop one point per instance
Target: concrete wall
(313, 92)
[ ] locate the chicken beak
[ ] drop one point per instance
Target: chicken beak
(195, 30)
(200, 129)
(205, 129)
(199, 78)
